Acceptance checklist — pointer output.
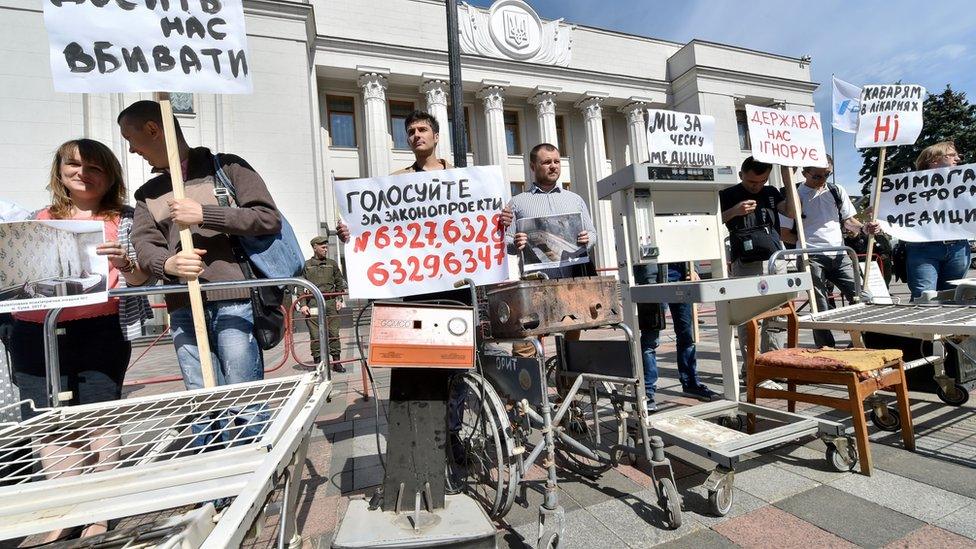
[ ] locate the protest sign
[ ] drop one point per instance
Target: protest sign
(551, 241)
(846, 99)
(144, 45)
(52, 264)
(876, 286)
(421, 232)
(930, 205)
(891, 114)
(680, 138)
(787, 138)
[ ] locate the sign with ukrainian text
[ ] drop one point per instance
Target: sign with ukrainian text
(787, 138)
(890, 115)
(680, 138)
(148, 45)
(422, 232)
(930, 205)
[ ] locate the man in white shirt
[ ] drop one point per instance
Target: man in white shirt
(825, 208)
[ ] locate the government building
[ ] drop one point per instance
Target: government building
(334, 80)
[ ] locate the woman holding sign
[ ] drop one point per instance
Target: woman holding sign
(95, 345)
(931, 265)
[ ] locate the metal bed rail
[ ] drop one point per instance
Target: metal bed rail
(51, 358)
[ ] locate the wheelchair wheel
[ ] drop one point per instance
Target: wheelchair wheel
(479, 456)
(583, 422)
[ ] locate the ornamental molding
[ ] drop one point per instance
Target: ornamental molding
(592, 108)
(374, 86)
(494, 98)
(435, 92)
(511, 29)
(635, 111)
(545, 103)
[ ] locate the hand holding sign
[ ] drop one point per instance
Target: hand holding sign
(891, 114)
(417, 233)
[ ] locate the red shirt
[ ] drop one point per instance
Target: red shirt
(110, 307)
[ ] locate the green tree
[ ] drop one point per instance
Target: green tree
(948, 116)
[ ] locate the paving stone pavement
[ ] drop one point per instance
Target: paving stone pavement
(785, 497)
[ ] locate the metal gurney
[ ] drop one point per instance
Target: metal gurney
(162, 452)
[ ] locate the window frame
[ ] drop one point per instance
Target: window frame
(517, 133)
(742, 129)
(394, 123)
(328, 115)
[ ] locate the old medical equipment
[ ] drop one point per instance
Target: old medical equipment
(668, 214)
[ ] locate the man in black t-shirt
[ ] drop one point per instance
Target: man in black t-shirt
(749, 211)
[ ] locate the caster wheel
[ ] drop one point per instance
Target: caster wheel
(549, 541)
(670, 501)
(841, 462)
(890, 422)
(957, 396)
(720, 501)
(731, 422)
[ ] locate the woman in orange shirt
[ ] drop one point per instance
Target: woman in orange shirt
(94, 345)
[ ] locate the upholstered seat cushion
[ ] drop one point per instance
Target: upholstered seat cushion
(863, 361)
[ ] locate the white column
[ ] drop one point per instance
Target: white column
(545, 110)
(494, 100)
(596, 161)
(636, 131)
(436, 92)
(377, 137)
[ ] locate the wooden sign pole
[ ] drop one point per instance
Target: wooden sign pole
(801, 240)
(186, 241)
(875, 203)
(695, 330)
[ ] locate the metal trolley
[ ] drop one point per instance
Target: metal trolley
(515, 412)
(164, 451)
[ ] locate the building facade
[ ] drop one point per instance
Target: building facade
(333, 81)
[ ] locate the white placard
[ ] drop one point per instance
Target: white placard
(787, 138)
(680, 138)
(891, 114)
(124, 46)
(50, 264)
(876, 286)
(419, 233)
(929, 205)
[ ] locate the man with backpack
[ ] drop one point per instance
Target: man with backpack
(750, 211)
(827, 212)
(216, 226)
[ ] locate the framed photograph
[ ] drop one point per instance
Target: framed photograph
(552, 241)
(49, 264)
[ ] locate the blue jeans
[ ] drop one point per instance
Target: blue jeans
(681, 319)
(931, 265)
(236, 358)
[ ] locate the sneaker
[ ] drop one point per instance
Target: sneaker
(770, 384)
(702, 393)
(651, 405)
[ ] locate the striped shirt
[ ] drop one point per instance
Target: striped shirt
(133, 311)
(540, 203)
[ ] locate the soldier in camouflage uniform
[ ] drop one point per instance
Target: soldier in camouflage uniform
(326, 274)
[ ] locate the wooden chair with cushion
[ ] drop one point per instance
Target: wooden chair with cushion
(862, 371)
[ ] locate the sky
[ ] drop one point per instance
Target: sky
(866, 42)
